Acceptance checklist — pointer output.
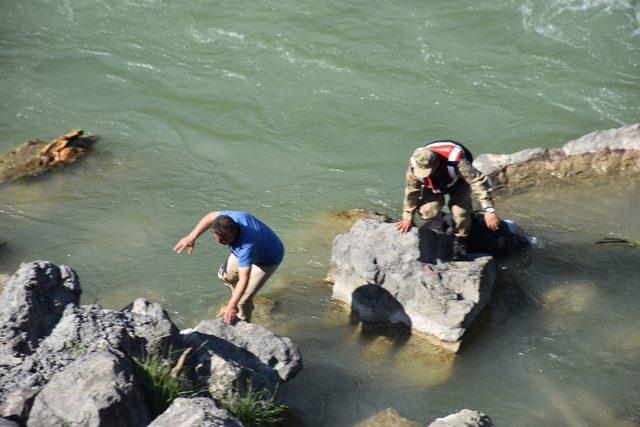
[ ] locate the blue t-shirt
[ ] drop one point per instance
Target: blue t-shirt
(256, 243)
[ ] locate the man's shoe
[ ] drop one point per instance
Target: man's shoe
(460, 249)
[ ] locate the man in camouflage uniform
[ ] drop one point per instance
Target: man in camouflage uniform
(439, 168)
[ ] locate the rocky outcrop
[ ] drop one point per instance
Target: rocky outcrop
(48, 342)
(31, 305)
(381, 274)
(239, 355)
(108, 396)
(613, 152)
(464, 418)
(35, 157)
(198, 412)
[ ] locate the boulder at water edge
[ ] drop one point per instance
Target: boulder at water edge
(380, 274)
(464, 418)
(198, 412)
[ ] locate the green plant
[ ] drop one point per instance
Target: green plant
(161, 383)
(253, 408)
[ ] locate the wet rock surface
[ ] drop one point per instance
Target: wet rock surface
(48, 342)
(613, 152)
(380, 274)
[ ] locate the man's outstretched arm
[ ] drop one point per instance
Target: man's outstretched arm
(189, 241)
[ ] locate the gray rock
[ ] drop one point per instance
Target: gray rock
(198, 412)
(88, 329)
(8, 423)
(17, 403)
(234, 357)
(464, 418)
(31, 305)
(379, 273)
(150, 322)
(493, 163)
(96, 390)
(624, 138)
(279, 353)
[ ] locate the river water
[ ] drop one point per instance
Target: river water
(295, 110)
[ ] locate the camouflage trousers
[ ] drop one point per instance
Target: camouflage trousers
(460, 205)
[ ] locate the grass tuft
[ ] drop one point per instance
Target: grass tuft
(160, 385)
(252, 407)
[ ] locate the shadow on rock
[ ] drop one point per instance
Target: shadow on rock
(381, 315)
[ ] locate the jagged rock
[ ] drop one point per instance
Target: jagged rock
(464, 418)
(96, 390)
(35, 157)
(17, 403)
(32, 303)
(233, 356)
(42, 345)
(387, 418)
(610, 152)
(198, 412)
(151, 323)
(380, 274)
(279, 353)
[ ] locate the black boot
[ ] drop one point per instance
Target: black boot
(460, 249)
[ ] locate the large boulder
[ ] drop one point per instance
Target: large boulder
(198, 412)
(235, 356)
(96, 390)
(381, 274)
(464, 418)
(31, 305)
(613, 152)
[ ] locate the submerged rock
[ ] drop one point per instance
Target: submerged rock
(613, 152)
(464, 418)
(387, 418)
(380, 274)
(35, 157)
(198, 412)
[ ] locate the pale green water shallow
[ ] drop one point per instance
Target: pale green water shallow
(292, 110)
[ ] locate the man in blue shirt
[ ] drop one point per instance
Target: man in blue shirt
(256, 253)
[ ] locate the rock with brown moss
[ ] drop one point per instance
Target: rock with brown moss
(35, 157)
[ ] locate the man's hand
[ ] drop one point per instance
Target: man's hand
(491, 220)
(404, 225)
(229, 313)
(187, 243)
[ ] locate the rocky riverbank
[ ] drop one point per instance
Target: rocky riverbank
(66, 364)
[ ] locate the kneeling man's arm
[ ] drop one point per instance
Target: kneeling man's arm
(230, 311)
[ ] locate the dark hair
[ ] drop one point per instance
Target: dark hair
(224, 224)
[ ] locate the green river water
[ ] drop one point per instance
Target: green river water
(295, 110)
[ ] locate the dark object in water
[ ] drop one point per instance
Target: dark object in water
(619, 241)
(508, 239)
(35, 157)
